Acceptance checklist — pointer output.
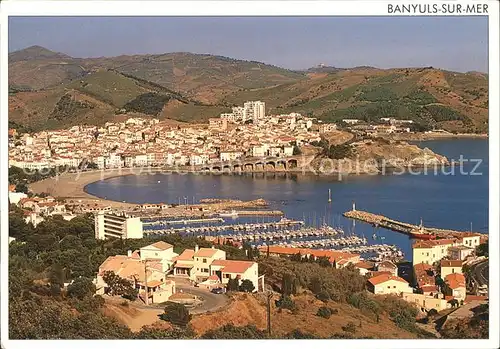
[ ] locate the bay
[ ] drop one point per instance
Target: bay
(453, 200)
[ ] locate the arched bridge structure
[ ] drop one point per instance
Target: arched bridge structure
(265, 164)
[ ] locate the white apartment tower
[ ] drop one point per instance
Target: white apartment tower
(255, 110)
(239, 114)
(110, 225)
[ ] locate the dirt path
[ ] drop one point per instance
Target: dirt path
(130, 315)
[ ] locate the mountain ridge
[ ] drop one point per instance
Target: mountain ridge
(205, 85)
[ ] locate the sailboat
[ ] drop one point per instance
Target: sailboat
(329, 195)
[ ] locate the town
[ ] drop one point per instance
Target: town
(139, 142)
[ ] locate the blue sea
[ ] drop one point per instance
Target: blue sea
(457, 201)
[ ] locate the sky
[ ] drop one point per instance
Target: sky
(452, 43)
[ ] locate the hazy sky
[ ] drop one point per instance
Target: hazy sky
(454, 43)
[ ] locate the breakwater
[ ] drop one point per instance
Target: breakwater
(414, 231)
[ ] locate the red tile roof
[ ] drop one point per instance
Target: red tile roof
(424, 274)
(377, 273)
(364, 265)
(429, 288)
(232, 266)
(470, 298)
(455, 280)
(450, 263)
(161, 245)
(384, 278)
(290, 251)
(186, 255)
(387, 264)
(432, 243)
(205, 252)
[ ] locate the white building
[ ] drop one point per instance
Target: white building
(255, 110)
(240, 114)
(117, 226)
(162, 251)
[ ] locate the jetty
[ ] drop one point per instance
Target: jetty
(412, 230)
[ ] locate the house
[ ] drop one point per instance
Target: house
(431, 251)
(471, 240)
(240, 270)
(217, 124)
(202, 259)
(364, 267)
(455, 286)
(338, 258)
(450, 267)
(388, 284)
(159, 251)
(184, 263)
(460, 252)
(230, 155)
(389, 267)
(142, 274)
(425, 277)
(351, 121)
(426, 302)
(15, 197)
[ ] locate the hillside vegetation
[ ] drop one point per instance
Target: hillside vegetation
(193, 87)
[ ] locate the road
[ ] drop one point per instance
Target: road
(211, 301)
(480, 272)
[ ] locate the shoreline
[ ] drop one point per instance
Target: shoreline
(437, 136)
(72, 186)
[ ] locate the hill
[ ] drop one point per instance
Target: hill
(193, 87)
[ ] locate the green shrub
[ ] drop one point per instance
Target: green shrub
(350, 327)
(326, 312)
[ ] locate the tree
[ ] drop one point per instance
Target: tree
(482, 249)
(324, 262)
(288, 284)
(177, 314)
(22, 188)
(151, 332)
(118, 286)
(286, 302)
(233, 285)
(81, 288)
(233, 332)
(247, 286)
(296, 150)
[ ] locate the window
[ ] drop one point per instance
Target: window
(156, 253)
(204, 260)
(427, 254)
(388, 286)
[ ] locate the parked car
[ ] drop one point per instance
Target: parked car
(217, 290)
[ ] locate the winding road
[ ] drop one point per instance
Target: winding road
(480, 272)
(211, 301)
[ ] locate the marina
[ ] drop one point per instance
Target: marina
(165, 221)
(284, 232)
